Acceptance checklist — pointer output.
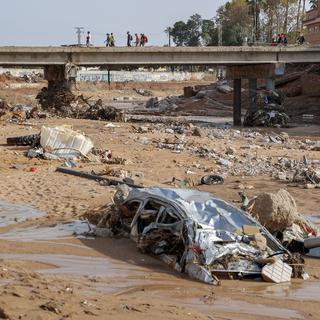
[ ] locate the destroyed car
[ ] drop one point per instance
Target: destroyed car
(196, 233)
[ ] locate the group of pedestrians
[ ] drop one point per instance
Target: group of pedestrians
(110, 40)
(279, 39)
(140, 40)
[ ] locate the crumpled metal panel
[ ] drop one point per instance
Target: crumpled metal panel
(210, 229)
(201, 207)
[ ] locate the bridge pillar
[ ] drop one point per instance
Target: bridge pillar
(252, 94)
(60, 77)
(237, 102)
(271, 84)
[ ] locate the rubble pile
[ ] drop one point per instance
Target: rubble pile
(19, 112)
(32, 77)
(232, 163)
(7, 76)
(269, 111)
(195, 233)
(162, 105)
(205, 100)
(98, 111)
(61, 102)
(64, 103)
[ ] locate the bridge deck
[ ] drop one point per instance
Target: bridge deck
(155, 56)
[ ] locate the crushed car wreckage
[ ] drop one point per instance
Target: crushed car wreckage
(197, 234)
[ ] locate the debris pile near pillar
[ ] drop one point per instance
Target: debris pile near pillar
(269, 111)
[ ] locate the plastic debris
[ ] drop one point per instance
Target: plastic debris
(64, 142)
(277, 272)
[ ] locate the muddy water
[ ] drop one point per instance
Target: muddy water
(60, 231)
(13, 213)
(120, 269)
(241, 307)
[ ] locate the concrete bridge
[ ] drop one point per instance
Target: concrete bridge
(60, 63)
(155, 56)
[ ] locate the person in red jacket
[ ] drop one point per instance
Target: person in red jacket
(137, 40)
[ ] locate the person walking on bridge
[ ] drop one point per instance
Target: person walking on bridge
(301, 39)
(88, 39)
(143, 40)
(129, 39)
(137, 40)
(112, 40)
(107, 41)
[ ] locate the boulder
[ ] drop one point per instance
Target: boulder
(276, 211)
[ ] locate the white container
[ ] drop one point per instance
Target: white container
(64, 142)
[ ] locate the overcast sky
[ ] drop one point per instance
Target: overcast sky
(52, 22)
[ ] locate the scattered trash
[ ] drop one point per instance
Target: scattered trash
(28, 140)
(19, 112)
(93, 176)
(142, 92)
(277, 272)
(212, 179)
(69, 164)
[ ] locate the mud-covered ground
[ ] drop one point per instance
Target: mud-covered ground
(48, 272)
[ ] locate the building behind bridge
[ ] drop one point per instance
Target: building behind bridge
(312, 25)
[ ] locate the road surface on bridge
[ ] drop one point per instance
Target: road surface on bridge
(155, 56)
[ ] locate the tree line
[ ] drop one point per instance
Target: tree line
(237, 20)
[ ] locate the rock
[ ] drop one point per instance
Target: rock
(284, 135)
(121, 194)
(224, 162)
(168, 130)
(282, 176)
(225, 89)
(143, 140)
(201, 95)
(142, 92)
(143, 129)
(152, 103)
(310, 186)
(35, 153)
(230, 151)
(51, 306)
(103, 233)
(276, 211)
(197, 132)
(4, 314)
